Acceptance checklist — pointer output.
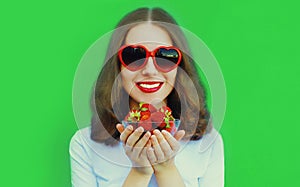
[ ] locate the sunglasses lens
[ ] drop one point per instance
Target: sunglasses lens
(133, 57)
(167, 59)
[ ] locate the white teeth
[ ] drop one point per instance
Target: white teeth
(149, 85)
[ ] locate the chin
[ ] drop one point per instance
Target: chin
(153, 98)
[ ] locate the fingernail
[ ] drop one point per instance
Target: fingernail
(140, 129)
(130, 127)
(152, 140)
(146, 135)
(164, 132)
(156, 132)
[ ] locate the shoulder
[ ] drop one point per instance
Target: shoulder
(81, 143)
(78, 143)
(82, 147)
(210, 140)
(99, 155)
(82, 138)
(195, 156)
(210, 143)
(79, 138)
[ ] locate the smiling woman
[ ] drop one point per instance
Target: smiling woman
(147, 62)
(148, 83)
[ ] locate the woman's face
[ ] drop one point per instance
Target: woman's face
(148, 84)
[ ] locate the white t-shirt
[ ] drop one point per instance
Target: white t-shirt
(200, 163)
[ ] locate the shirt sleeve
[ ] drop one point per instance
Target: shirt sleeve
(214, 175)
(81, 170)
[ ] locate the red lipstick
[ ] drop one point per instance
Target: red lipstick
(149, 87)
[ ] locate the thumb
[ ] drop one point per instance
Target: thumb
(120, 127)
(179, 135)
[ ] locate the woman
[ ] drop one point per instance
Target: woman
(147, 61)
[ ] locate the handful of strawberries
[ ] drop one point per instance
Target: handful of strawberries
(150, 118)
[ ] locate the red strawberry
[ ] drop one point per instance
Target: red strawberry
(157, 117)
(162, 125)
(135, 115)
(148, 117)
(146, 124)
(146, 106)
(171, 127)
(145, 115)
(166, 109)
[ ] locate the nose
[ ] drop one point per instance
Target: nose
(149, 68)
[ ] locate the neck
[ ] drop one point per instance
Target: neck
(155, 103)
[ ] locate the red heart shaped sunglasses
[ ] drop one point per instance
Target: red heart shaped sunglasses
(135, 57)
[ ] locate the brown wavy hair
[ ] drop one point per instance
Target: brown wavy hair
(109, 96)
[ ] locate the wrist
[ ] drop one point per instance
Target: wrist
(164, 170)
(143, 171)
(167, 172)
(138, 177)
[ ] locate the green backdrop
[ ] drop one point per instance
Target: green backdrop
(255, 42)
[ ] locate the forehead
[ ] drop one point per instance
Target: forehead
(149, 35)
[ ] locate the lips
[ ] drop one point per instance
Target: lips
(149, 87)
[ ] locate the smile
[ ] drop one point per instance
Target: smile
(149, 87)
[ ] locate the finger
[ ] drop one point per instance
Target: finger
(157, 150)
(174, 144)
(144, 156)
(165, 147)
(148, 144)
(120, 127)
(151, 155)
(134, 137)
(124, 135)
(179, 135)
(144, 140)
(138, 147)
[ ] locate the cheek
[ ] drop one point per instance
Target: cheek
(127, 79)
(171, 77)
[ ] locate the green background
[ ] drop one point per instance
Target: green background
(255, 42)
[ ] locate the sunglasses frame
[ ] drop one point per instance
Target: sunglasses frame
(149, 54)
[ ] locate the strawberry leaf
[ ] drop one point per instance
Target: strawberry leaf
(167, 122)
(141, 104)
(144, 109)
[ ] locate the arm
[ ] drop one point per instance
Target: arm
(81, 170)
(214, 175)
(169, 177)
(162, 155)
(137, 178)
(135, 148)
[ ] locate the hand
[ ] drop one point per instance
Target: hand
(163, 150)
(136, 147)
